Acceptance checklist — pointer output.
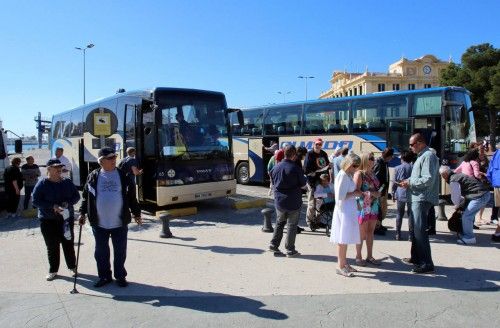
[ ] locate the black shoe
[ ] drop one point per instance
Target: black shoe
(102, 282)
(381, 227)
(407, 260)
(273, 248)
(476, 227)
(292, 253)
(379, 232)
(312, 226)
(495, 238)
(299, 229)
(122, 282)
(423, 270)
(431, 232)
(321, 225)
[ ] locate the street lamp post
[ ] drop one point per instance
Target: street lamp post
(305, 78)
(83, 49)
(284, 93)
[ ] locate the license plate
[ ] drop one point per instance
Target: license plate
(203, 195)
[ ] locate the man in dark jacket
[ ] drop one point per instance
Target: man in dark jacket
(13, 185)
(315, 164)
(107, 199)
(381, 170)
(288, 180)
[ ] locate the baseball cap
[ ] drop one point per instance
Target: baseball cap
(54, 163)
(106, 152)
(318, 141)
(279, 155)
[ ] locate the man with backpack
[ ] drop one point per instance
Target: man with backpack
(469, 193)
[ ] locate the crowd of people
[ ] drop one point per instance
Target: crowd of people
(108, 202)
(358, 188)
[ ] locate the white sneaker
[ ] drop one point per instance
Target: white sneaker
(466, 241)
(51, 276)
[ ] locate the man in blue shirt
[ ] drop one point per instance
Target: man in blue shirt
(423, 190)
(402, 172)
(493, 175)
(130, 165)
(288, 180)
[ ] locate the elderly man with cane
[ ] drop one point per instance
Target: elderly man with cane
(108, 197)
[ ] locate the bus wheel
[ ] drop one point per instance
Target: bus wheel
(242, 173)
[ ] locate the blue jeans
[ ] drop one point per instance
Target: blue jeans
(102, 251)
(470, 212)
(28, 190)
(282, 218)
(400, 214)
(420, 246)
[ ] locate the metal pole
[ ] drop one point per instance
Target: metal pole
(306, 87)
(84, 75)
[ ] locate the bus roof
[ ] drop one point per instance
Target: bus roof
(371, 95)
(144, 93)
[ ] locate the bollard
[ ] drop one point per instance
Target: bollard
(441, 212)
(268, 226)
(165, 230)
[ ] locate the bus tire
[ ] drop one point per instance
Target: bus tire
(243, 173)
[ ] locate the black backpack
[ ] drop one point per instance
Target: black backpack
(455, 222)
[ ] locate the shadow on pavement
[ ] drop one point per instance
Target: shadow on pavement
(158, 296)
(17, 223)
(215, 248)
(395, 272)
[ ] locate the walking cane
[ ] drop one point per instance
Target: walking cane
(74, 291)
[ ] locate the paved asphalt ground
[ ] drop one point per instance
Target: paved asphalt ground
(216, 272)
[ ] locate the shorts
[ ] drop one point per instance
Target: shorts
(496, 195)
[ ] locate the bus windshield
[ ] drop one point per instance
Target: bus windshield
(459, 127)
(193, 127)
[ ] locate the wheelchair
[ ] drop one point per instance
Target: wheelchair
(324, 213)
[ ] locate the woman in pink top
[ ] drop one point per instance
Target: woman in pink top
(470, 164)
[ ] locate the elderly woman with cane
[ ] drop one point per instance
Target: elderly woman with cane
(54, 197)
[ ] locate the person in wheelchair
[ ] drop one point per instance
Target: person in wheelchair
(324, 199)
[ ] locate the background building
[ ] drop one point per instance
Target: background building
(404, 74)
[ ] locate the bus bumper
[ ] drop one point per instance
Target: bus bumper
(191, 193)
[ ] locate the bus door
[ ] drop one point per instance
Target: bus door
(257, 171)
(266, 155)
(430, 128)
(146, 147)
(398, 133)
(129, 140)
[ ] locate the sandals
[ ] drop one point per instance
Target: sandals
(372, 261)
(361, 262)
(345, 272)
(350, 268)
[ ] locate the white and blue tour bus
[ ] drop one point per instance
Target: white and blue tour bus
(182, 138)
(363, 123)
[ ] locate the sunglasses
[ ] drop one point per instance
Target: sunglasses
(318, 144)
(110, 158)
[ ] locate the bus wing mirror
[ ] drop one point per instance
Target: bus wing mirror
(18, 146)
(239, 114)
(240, 118)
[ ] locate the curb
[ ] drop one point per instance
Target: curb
(176, 212)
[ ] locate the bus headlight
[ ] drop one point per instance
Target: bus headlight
(227, 177)
(163, 183)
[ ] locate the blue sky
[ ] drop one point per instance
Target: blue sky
(249, 50)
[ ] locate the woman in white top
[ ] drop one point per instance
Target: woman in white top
(345, 226)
